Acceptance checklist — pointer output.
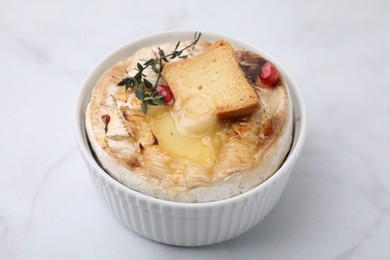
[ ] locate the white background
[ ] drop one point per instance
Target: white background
(337, 203)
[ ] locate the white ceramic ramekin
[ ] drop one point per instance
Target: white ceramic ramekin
(187, 224)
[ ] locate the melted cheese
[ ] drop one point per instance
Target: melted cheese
(195, 114)
(187, 130)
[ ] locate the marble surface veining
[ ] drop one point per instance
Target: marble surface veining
(337, 203)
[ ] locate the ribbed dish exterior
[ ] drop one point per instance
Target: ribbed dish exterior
(189, 226)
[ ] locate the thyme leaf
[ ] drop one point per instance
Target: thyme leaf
(144, 90)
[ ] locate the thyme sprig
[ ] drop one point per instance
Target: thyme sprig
(145, 90)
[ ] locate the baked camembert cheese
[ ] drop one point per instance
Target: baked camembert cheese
(226, 132)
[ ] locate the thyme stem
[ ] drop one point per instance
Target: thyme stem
(145, 90)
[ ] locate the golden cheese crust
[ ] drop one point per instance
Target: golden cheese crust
(250, 149)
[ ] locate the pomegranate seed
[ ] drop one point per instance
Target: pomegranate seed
(167, 93)
(106, 120)
(268, 74)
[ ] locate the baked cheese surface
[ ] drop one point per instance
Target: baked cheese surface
(185, 152)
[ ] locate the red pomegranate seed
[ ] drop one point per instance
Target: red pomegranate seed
(106, 120)
(269, 74)
(167, 93)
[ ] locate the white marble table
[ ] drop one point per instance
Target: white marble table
(337, 203)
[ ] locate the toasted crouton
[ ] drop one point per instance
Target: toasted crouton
(216, 73)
